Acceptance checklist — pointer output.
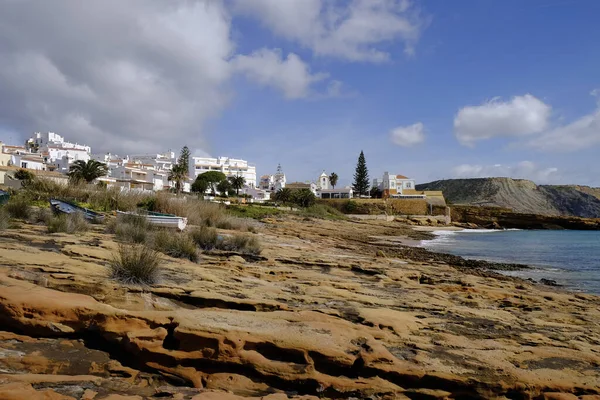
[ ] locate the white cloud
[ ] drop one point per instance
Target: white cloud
(266, 67)
(581, 134)
(522, 170)
(354, 31)
(136, 76)
(522, 115)
(407, 136)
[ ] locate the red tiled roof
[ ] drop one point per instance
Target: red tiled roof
(401, 177)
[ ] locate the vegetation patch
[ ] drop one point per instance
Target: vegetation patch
(205, 237)
(129, 228)
(241, 243)
(322, 211)
(177, 245)
(136, 264)
(4, 219)
(18, 207)
(253, 211)
(67, 223)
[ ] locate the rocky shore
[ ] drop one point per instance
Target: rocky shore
(328, 310)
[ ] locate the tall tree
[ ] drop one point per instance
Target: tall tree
(237, 182)
(200, 185)
(361, 176)
(178, 175)
(333, 178)
(87, 171)
(223, 187)
(213, 178)
(184, 158)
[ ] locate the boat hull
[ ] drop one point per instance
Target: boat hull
(162, 221)
(64, 207)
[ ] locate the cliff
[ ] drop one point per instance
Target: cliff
(521, 196)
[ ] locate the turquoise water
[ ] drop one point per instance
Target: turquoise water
(571, 258)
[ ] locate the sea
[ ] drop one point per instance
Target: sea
(571, 258)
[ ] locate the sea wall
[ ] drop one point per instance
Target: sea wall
(379, 206)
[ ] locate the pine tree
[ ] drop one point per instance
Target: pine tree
(184, 159)
(361, 177)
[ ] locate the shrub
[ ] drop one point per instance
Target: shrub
(18, 207)
(129, 228)
(40, 216)
(205, 237)
(322, 211)
(177, 245)
(135, 264)
(67, 223)
(4, 219)
(243, 243)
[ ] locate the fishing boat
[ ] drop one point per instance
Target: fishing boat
(158, 219)
(64, 207)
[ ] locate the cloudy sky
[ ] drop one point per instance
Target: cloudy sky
(431, 90)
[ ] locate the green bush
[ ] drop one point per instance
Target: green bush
(242, 243)
(175, 244)
(67, 223)
(205, 237)
(322, 211)
(350, 207)
(18, 207)
(136, 264)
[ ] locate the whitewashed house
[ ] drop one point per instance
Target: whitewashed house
(56, 151)
(274, 182)
(28, 161)
(326, 191)
(397, 186)
(226, 165)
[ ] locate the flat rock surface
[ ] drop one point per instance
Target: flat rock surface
(329, 310)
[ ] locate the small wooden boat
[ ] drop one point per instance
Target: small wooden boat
(159, 219)
(64, 207)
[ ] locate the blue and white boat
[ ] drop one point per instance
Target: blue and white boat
(64, 207)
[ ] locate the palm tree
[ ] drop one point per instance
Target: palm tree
(283, 195)
(304, 197)
(237, 182)
(87, 171)
(333, 178)
(177, 175)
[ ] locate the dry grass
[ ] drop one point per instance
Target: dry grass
(242, 243)
(4, 219)
(129, 228)
(136, 264)
(198, 212)
(175, 244)
(70, 223)
(18, 207)
(205, 237)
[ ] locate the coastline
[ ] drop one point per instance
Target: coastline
(328, 310)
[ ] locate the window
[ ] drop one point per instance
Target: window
(23, 164)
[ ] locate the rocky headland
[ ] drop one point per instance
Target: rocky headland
(330, 309)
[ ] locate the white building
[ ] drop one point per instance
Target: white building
(326, 191)
(28, 161)
(258, 195)
(55, 150)
(226, 165)
(139, 176)
(273, 183)
(5, 156)
(397, 186)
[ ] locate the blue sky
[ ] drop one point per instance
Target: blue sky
(469, 88)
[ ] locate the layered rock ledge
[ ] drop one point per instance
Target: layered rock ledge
(329, 310)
